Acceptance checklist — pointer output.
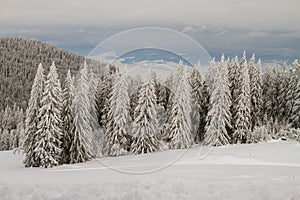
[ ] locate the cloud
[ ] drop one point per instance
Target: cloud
(258, 34)
(189, 29)
(224, 13)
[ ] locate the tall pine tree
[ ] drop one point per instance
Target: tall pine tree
(255, 91)
(67, 118)
(117, 131)
(178, 131)
(219, 116)
(81, 147)
(243, 112)
(48, 144)
(145, 125)
(32, 118)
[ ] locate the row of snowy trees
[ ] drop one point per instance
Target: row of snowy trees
(113, 114)
(58, 128)
(248, 106)
(11, 128)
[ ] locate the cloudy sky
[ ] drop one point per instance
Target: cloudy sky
(268, 27)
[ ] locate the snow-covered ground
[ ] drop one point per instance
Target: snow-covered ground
(255, 171)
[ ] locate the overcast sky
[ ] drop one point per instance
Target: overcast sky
(269, 27)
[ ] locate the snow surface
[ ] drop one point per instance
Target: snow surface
(250, 171)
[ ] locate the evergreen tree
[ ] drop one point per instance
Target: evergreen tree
(197, 100)
(118, 127)
(293, 95)
(234, 77)
(103, 92)
(4, 140)
(178, 132)
(67, 118)
(255, 91)
(219, 116)
(32, 118)
(96, 133)
(145, 120)
(82, 141)
(270, 93)
(282, 96)
(48, 144)
(243, 112)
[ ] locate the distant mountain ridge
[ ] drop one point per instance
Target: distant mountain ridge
(19, 59)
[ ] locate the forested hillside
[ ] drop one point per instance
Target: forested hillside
(19, 59)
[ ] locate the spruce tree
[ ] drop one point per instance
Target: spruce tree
(32, 118)
(293, 96)
(67, 118)
(219, 116)
(118, 127)
(103, 92)
(178, 132)
(243, 112)
(81, 146)
(96, 133)
(255, 91)
(48, 144)
(282, 95)
(197, 99)
(144, 133)
(234, 77)
(270, 93)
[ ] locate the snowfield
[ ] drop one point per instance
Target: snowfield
(249, 171)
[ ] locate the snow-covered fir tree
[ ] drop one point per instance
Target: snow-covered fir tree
(81, 146)
(117, 130)
(197, 100)
(270, 92)
(4, 140)
(67, 118)
(219, 116)
(293, 95)
(145, 125)
(282, 95)
(234, 78)
(49, 132)
(255, 91)
(96, 133)
(242, 116)
(178, 130)
(103, 92)
(32, 119)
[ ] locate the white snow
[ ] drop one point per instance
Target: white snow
(249, 171)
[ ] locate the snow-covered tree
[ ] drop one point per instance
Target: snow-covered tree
(196, 95)
(282, 95)
(234, 78)
(242, 117)
(118, 127)
(96, 133)
(4, 140)
(67, 118)
(145, 125)
(48, 144)
(81, 147)
(103, 92)
(219, 116)
(178, 130)
(293, 96)
(20, 131)
(255, 91)
(199, 104)
(270, 92)
(32, 118)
